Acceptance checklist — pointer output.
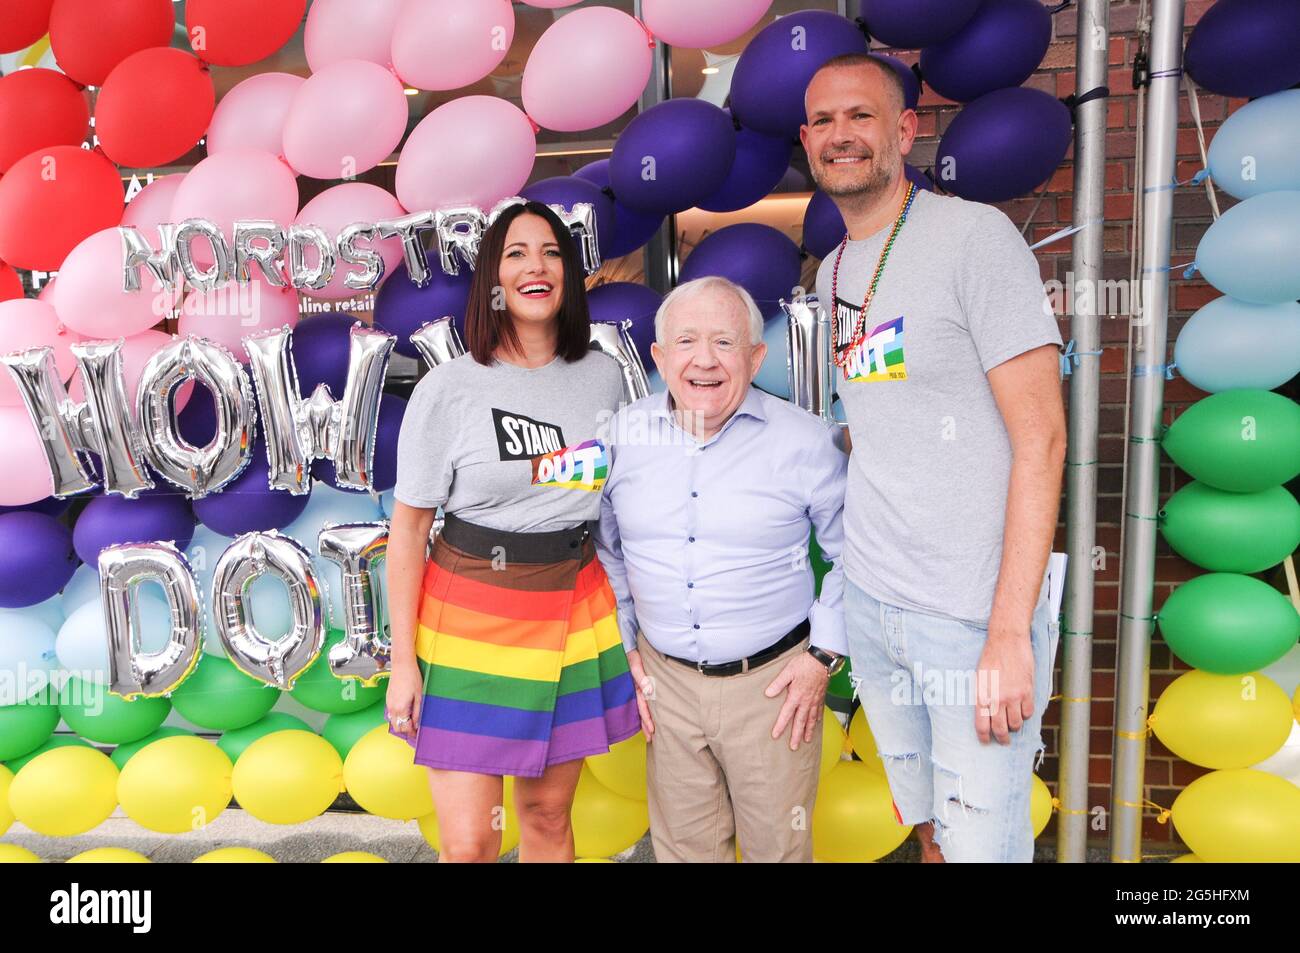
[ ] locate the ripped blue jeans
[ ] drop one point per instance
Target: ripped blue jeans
(915, 675)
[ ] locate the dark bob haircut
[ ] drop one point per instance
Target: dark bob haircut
(488, 327)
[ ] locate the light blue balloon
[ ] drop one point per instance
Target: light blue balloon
(1231, 344)
(330, 505)
(1253, 251)
(386, 500)
(82, 642)
(50, 611)
(1257, 149)
(657, 385)
(27, 656)
(267, 601)
(772, 375)
(81, 588)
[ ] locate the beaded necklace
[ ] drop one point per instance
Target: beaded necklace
(842, 357)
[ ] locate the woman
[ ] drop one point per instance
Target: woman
(506, 653)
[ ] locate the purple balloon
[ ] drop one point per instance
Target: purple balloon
(107, 520)
(1006, 143)
(197, 422)
(248, 503)
(772, 73)
(320, 346)
(918, 178)
(616, 300)
(401, 307)
(912, 24)
(1000, 46)
(36, 558)
(566, 191)
(1246, 47)
(823, 226)
(911, 85)
(692, 144)
(757, 257)
(759, 165)
(391, 411)
(632, 228)
(50, 506)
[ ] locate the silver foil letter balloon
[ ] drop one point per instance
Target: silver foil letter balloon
(438, 341)
(365, 650)
(276, 662)
(615, 339)
(133, 672)
(808, 362)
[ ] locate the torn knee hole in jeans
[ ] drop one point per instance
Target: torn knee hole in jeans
(911, 759)
(956, 798)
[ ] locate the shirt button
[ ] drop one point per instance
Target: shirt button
(690, 539)
(693, 493)
(690, 585)
(697, 625)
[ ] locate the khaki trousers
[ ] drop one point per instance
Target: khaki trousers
(716, 775)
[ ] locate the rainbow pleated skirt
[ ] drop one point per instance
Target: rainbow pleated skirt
(523, 664)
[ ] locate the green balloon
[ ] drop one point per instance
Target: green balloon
(1238, 440)
(25, 727)
(95, 713)
(54, 741)
(320, 690)
(343, 730)
(1228, 623)
(1232, 532)
(218, 695)
(124, 753)
(234, 742)
(820, 566)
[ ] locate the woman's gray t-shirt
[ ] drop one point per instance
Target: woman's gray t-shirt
(508, 447)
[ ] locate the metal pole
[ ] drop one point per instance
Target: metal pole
(1081, 461)
(1137, 561)
(661, 250)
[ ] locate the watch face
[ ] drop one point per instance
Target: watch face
(835, 666)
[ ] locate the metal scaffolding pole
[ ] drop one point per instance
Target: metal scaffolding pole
(1091, 66)
(1137, 559)
(661, 251)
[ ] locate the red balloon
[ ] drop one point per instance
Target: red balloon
(11, 286)
(22, 23)
(53, 198)
(239, 32)
(154, 107)
(90, 37)
(39, 108)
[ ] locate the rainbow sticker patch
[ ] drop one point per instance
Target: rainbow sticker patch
(879, 357)
(582, 467)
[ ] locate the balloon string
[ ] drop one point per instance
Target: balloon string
(532, 122)
(649, 35)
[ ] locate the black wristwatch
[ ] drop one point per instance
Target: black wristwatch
(833, 663)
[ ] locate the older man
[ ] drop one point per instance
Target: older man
(712, 490)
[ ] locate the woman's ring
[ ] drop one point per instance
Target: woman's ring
(398, 722)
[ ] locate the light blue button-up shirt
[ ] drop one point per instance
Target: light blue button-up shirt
(706, 544)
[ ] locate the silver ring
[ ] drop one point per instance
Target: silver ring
(398, 722)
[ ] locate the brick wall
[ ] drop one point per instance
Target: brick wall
(1166, 774)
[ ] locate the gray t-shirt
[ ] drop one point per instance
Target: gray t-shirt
(928, 476)
(509, 447)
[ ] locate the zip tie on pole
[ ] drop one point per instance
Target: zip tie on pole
(1063, 233)
(1075, 100)
(1142, 370)
(1070, 354)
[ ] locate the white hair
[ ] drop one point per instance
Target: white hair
(695, 287)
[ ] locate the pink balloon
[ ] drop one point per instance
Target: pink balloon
(240, 184)
(226, 315)
(340, 206)
(347, 30)
(550, 4)
(252, 114)
(89, 297)
(30, 322)
(475, 150)
(152, 206)
(136, 351)
(447, 44)
(560, 89)
(25, 477)
(344, 120)
(698, 24)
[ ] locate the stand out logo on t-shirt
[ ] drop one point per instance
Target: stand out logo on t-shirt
(879, 357)
(522, 438)
(583, 467)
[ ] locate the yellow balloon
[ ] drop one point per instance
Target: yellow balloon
(864, 745)
(1223, 721)
(380, 776)
(854, 818)
(1187, 859)
(605, 823)
(65, 791)
(593, 860)
(355, 856)
(1295, 704)
(1040, 804)
(506, 817)
(832, 742)
(109, 855)
(622, 770)
(1240, 816)
(235, 855)
(176, 784)
(287, 777)
(6, 815)
(13, 854)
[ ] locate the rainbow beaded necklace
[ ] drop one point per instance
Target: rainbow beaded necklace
(842, 357)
